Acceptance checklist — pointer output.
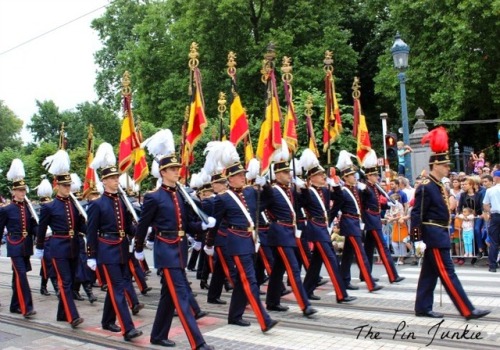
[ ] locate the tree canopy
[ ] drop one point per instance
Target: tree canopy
(11, 128)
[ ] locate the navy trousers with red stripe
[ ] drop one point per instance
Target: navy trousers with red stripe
(21, 292)
(65, 272)
(285, 259)
(354, 247)
(324, 253)
(375, 239)
(115, 304)
(223, 268)
(175, 294)
(246, 290)
(438, 264)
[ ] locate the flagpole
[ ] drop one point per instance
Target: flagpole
(222, 109)
(287, 78)
(328, 68)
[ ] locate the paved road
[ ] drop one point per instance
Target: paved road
(380, 320)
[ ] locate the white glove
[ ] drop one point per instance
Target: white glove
(139, 256)
(361, 186)
(197, 246)
(390, 204)
(92, 264)
(38, 253)
(208, 250)
(150, 245)
(331, 183)
(211, 223)
(299, 183)
(191, 239)
(260, 180)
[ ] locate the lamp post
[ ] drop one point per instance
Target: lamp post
(383, 116)
(457, 156)
(400, 52)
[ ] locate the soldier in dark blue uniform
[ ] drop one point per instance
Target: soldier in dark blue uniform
(44, 192)
(348, 200)
(430, 221)
(224, 270)
(170, 217)
(371, 209)
(316, 202)
(238, 208)
(283, 221)
(108, 229)
(66, 222)
(21, 227)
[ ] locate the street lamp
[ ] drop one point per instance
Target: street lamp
(383, 116)
(457, 157)
(400, 52)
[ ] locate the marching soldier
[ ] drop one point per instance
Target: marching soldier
(224, 270)
(282, 228)
(238, 207)
(19, 219)
(371, 217)
(316, 201)
(65, 222)
(108, 230)
(166, 211)
(430, 221)
(44, 192)
(348, 200)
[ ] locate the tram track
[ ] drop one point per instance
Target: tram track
(326, 322)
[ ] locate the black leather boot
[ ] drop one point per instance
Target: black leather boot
(87, 287)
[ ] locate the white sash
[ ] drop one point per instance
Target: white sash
(298, 232)
(361, 224)
(244, 210)
(318, 197)
(292, 210)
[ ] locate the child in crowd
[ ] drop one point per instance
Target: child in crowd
(398, 218)
(467, 217)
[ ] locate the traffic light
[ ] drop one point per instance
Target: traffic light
(391, 145)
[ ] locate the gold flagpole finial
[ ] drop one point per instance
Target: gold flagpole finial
(222, 104)
(61, 137)
(286, 69)
(126, 88)
(193, 56)
(309, 105)
(328, 62)
(355, 88)
(268, 62)
(231, 64)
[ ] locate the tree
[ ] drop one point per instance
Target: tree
(45, 125)
(454, 62)
(11, 128)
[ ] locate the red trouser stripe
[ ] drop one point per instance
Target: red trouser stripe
(45, 274)
(383, 256)
(302, 252)
(111, 292)
(263, 256)
(134, 273)
(462, 307)
(292, 279)
(224, 265)
(211, 263)
(20, 296)
(99, 277)
(361, 263)
(329, 268)
(175, 299)
(64, 297)
(246, 287)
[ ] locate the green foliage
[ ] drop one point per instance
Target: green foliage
(11, 127)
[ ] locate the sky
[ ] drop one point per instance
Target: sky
(58, 66)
